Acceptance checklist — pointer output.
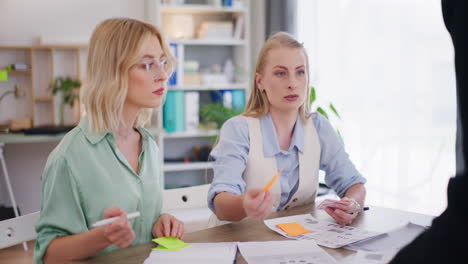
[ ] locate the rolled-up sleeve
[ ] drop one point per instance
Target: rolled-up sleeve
(230, 159)
(61, 209)
(340, 172)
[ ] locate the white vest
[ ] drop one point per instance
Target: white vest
(261, 169)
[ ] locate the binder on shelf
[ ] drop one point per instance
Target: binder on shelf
(174, 111)
(234, 99)
(227, 3)
(192, 106)
(173, 78)
(238, 100)
(239, 27)
(227, 98)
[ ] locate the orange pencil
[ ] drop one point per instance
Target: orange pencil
(272, 181)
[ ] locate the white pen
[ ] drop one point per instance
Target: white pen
(112, 219)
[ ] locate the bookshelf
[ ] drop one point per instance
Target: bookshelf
(44, 63)
(189, 26)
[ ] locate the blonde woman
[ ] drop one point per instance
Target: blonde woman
(277, 131)
(108, 165)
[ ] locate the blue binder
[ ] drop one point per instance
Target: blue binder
(238, 100)
(173, 78)
(174, 112)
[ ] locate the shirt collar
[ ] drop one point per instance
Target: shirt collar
(92, 137)
(270, 139)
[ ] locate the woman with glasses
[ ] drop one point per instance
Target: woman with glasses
(109, 165)
(277, 134)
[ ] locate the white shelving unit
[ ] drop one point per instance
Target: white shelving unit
(206, 51)
(45, 64)
(211, 87)
(199, 8)
(191, 134)
(211, 42)
(181, 166)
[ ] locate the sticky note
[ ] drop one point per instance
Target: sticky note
(170, 243)
(3, 75)
(293, 229)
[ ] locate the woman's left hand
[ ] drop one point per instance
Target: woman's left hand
(339, 213)
(168, 225)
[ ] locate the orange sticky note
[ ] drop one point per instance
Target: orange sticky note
(272, 181)
(293, 229)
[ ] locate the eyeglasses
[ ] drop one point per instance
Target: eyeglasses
(155, 66)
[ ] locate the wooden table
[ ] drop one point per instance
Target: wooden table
(376, 219)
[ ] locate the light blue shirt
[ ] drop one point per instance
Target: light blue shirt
(231, 153)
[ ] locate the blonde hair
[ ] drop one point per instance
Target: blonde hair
(115, 46)
(258, 105)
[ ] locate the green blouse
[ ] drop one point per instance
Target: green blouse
(85, 174)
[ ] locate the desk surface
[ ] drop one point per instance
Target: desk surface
(376, 219)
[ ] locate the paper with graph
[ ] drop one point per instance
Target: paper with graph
(325, 233)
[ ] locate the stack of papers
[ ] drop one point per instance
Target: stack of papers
(207, 253)
(365, 257)
(289, 251)
(390, 241)
(325, 233)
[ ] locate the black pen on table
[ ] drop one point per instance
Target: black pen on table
(361, 210)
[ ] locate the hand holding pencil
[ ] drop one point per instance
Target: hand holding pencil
(258, 203)
(118, 232)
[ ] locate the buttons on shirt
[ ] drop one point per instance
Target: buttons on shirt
(295, 200)
(286, 208)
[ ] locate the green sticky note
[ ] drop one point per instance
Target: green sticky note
(3, 75)
(170, 243)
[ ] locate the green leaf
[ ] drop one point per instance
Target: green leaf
(312, 95)
(339, 135)
(334, 110)
(321, 111)
(216, 113)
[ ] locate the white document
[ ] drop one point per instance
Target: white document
(325, 233)
(365, 257)
(192, 104)
(284, 252)
(393, 240)
(206, 253)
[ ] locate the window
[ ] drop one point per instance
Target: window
(388, 68)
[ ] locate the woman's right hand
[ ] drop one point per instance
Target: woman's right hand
(257, 204)
(120, 231)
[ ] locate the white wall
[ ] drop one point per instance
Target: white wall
(21, 23)
(257, 34)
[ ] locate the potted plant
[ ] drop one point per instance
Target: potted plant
(321, 110)
(67, 87)
(215, 114)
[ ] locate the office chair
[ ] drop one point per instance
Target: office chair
(188, 205)
(18, 230)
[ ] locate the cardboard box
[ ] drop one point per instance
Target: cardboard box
(18, 124)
